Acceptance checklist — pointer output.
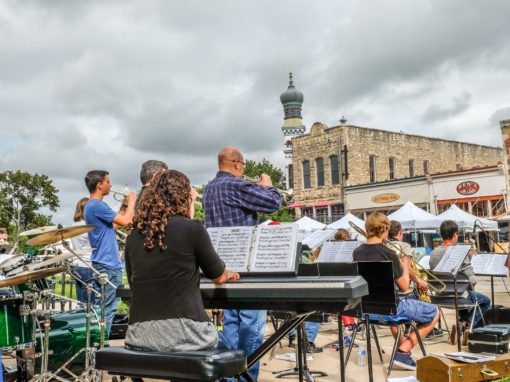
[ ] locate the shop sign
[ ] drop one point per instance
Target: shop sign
(385, 198)
(468, 188)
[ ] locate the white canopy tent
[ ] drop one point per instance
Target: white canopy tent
(308, 224)
(344, 223)
(466, 221)
(413, 218)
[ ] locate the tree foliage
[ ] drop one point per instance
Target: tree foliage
(21, 196)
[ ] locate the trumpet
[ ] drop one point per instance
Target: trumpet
(415, 267)
(286, 195)
(120, 196)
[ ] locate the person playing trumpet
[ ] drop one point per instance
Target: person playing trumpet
(426, 315)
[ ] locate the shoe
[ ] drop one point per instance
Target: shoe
(465, 337)
(453, 334)
(311, 348)
(437, 331)
(404, 360)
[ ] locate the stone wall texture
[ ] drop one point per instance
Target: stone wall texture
(322, 142)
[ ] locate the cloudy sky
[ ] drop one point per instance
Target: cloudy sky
(110, 84)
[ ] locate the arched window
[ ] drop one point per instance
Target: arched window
(291, 176)
(306, 174)
(411, 167)
(319, 167)
(425, 166)
(335, 175)
(371, 165)
(392, 168)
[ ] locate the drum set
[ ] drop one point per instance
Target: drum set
(59, 344)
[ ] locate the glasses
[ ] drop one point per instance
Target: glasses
(239, 161)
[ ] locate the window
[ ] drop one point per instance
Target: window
(480, 209)
(291, 176)
(307, 211)
(463, 206)
(319, 167)
(335, 176)
(498, 207)
(411, 167)
(425, 166)
(371, 164)
(337, 210)
(306, 174)
(442, 208)
(392, 168)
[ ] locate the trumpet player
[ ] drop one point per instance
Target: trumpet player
(449, 231)
(426, 315)
(395, 236)
(230, 201)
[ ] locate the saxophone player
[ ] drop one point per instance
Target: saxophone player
(418, 289)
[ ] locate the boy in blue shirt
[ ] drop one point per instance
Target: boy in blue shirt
(105, 257)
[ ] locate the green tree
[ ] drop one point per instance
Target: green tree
(21, 196)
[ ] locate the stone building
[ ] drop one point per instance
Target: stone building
(359, 158)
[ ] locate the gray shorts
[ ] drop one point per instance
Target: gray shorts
(416, 310)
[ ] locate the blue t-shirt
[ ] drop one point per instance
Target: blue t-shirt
(102, 238)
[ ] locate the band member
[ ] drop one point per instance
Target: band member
(342, 234)
(105, 257)
(450, 233)
(149, 170)
(165, 252)
(230, 201)
(395, 236)
(82, 243)
(426, 315)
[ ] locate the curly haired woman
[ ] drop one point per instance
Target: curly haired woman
(164, 254)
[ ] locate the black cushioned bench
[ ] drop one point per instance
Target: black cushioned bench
(201, 365)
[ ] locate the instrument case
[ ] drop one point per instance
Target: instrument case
(441, 369)
(493, 338)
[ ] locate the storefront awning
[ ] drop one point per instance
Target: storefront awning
(322, 204)
(295, 205)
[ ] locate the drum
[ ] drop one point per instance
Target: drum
(16, 329)
(67, 336)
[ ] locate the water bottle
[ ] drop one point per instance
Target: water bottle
(347, 338)
(362, 356)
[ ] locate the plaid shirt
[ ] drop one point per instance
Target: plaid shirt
(230, 201)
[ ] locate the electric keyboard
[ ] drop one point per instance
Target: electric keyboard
(300, 294)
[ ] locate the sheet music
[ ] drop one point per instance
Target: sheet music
(317, 238)
(489, 264)
(275, 248)
(425, 262)
(337, 251)
(452, 259)
(233, 245)
(302, 235)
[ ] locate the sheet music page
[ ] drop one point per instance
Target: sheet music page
(233, 245)
(425, 262)
(317, 238)
(337, 251)
(452, 259)
(496, 266)
(302, 235)
(480, 262)
(275, 248)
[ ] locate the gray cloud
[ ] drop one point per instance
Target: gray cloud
(110, 84)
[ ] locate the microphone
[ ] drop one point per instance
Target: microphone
(474, 227)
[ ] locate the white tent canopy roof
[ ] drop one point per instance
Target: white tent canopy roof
(307, 224)
(465, 220)
(344, 223)
(414, 218)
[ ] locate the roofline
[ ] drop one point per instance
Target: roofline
(416, 178)
(468, 170)
(402, 133)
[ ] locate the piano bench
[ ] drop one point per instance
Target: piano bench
(200, 365)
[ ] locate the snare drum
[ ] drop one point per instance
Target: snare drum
(16, 329)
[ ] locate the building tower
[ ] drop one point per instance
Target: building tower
(292, 101)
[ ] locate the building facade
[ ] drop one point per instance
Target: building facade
(364, 160)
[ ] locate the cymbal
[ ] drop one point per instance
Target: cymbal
(39, 230)
(30, 276)
(60, 234)
(33, 266)
(11, 261)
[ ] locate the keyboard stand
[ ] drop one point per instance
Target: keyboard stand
(301, 368)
